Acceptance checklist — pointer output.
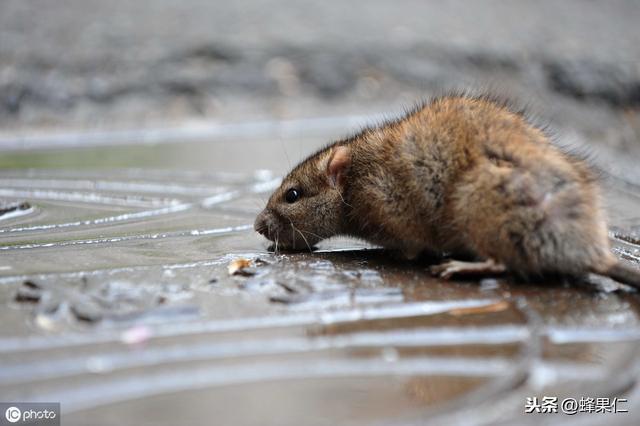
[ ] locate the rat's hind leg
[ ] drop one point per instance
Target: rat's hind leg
(531, 222)
(452, 268)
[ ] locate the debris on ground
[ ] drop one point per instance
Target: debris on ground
(241, 266)
(28, 292)
(6, 208)
(485, 309)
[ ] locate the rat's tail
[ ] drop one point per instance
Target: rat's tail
(623, 273)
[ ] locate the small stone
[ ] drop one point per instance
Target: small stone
(247, 272)
(284, 299)
(28, 295)
(12, 207)
(31, 284)
(287, 287)
(86, 312)
(260, 262)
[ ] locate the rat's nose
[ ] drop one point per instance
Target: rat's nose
(261, 225)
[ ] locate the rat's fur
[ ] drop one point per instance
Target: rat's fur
(463, 175)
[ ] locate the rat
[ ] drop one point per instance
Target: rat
(460, 175)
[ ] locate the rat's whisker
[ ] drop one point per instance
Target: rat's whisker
(303, 237)
(276, 239)
(301, 234)
(315, 235)
(257, 203)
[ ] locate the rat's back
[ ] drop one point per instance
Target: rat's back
(517, 198)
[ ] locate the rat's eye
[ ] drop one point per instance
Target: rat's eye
(292, 195)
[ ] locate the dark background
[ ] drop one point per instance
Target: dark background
(111, 64)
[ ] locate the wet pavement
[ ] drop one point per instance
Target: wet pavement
(118, 302)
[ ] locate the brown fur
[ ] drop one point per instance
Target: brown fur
(457, 175)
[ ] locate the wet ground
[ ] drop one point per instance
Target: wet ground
(138, 140)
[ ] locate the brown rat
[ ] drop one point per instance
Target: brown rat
(459, 175)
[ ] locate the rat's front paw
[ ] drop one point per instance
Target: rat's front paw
(453, 268)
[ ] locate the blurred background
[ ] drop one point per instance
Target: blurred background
(119, 64)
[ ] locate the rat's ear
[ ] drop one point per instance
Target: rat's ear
(338, 164)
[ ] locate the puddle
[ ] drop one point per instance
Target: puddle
(118, 302)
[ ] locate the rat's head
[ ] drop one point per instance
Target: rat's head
(308, 206)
